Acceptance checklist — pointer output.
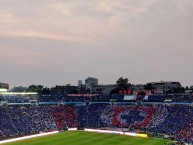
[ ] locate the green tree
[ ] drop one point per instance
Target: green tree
(71, 89)
(32, 88)
(35, 88)
(187, 88)
(123, 83)
(46, 91)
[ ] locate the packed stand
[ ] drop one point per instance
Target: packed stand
(173, 120)
(74, 98)
(186, 134)
(180, 98)
(17, 99)
(100, 98)
(176, 118)
(2, 98)
(22, 120)
(162, 119)
(64, 115)
(16, 120)
(47, 98)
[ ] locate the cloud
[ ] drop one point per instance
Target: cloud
(129, 7)
(182, 7)
(6, 17)
(75, 21)
(25, 57)
(64, 9)
(143, 7)
(101, 6)
(98, 37)
(44, 35)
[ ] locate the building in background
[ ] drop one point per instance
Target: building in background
(165, 86)
(4, 86)
(103, 89)
(80, 83)
(90, 82)
(137, 87)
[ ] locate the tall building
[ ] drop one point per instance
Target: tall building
(80, 83)
(90, 82)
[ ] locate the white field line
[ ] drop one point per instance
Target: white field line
(70, 129)
(27, 137)
(111, 132)
(32, 136)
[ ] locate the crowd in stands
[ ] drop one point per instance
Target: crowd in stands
(100, 98)
(176, 98)
(16, 120)
(64, 115)
(2, 98)
(186, 134)
(74, 98)
(17, 99)
(174, 120)
(47, 98)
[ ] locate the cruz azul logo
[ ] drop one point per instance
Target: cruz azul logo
(131, 116)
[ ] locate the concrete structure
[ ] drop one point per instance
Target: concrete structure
(80, 83)
(90, 82)
(4, 85)
(103, 89)
(166, 85)
(137, 87)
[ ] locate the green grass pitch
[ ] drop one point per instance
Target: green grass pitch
(88, 138)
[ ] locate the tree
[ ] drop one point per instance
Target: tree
(71, 89)
(123, 83)
(187, 88)
(35, 88)
(45, 91)
(32, 88)
(148, 86)
(39, 88)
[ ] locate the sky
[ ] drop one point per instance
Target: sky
(58, 42)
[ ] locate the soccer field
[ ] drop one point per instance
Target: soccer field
(88, 138)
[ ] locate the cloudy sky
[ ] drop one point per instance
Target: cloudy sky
(56, 42)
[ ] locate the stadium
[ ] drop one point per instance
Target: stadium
(123, 118)
(96, 72)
